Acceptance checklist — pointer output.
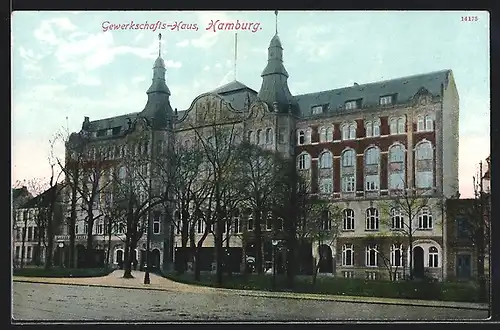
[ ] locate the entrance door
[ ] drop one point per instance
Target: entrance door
(325, 259)
(155, 259)
(463, 266)
(119, 258)
(418, 262)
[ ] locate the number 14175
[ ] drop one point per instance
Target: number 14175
(470, 18)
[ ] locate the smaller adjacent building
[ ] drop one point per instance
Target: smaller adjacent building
(30, 227)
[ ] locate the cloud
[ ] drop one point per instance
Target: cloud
(87, 80)
(136, 80)
(182, 43)
(206, 68)
(471, 152)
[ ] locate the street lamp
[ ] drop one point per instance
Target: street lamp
(61, 246)
(275, 244)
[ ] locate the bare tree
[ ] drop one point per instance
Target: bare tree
(403, 212)
(39, 203)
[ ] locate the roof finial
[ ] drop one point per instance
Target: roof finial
(276, 13)
(159, 45)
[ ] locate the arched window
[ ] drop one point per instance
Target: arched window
(429, 124)
(237, 222)
(397, 170)
(259, 137)
(372, 219)
(394, 126)
(269, 136)
(425, 218)
(348, 171)
(347, 255)
(372, 173)
(372, 255)
(396, 255)
(433, 257)
(250, 221)
(308, 135)
(322, 134)
(424, 167)
(304, 161)
(376, 127)
(251, 136)
(352, 132)
(420, 124)
(345, 132)
(401, 125)
(369, 129)
(301, 137)
(325, 160)
(397, 219)
(348, 219)
(329, 134)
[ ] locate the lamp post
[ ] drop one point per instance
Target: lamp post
(275, 244)
(61, 246)
(147, 279)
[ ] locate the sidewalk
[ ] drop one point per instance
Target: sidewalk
(158, 283)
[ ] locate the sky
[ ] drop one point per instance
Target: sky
(67, 65)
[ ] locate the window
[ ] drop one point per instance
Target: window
(429, 123)
(433, 257)
(250, 222)
(269, 136)
(464, 227)
(372, 177)
(329, 134)
(386, 100)
(396, 255)
(304, 162)
(396, 167)
(394, 126)
(85, 228)
(145, 149)
(301, 137)
(348, 217)
(424, 167)
(425, 219)
(281, 135)
(269, 221)
(372, 128)
(326, 221)
(30, 233)
(28, 253)
(18, 251)
(325, 160)
(326, 185)
(322, 134)
(199, 226)
(237, 223)
(100, 228)
(348, 171)
(401, 126)
(349, 131)
(420, 124)
(317, 110)
(156, 223)
(347, 255)
(251, 136)
(397, 220)
(258, 137)
(351, 105)
(372, 219)
(35, 233)
(371, 255)
(281, 224)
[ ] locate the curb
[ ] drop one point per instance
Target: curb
(285, 295)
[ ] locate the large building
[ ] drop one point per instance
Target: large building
(360, 146)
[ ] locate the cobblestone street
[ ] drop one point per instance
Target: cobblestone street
(36, 301)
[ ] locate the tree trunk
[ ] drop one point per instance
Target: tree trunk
(127, 265)
(316, 270)
(410, 241)
(184, 238)
(50, 235)
(23, 245)
(258, 242)
(72, 222)
(110, 228)
(480, 261)
(229, 270)
(89, 260)
(197, 271)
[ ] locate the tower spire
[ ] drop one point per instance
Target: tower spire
(276, 13)
(159, 45)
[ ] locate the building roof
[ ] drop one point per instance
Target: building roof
(236, 93)
(41, 200)
(404, 88)
(20, 192)
(112, 122)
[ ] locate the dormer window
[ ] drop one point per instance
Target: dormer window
(110, 132)
(351, 105)
(116, 130)
(102, 132)
(316, 110)
(386, 100)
